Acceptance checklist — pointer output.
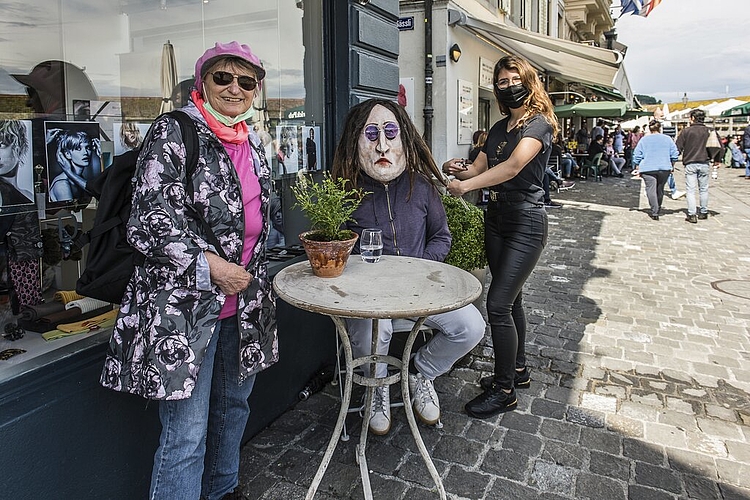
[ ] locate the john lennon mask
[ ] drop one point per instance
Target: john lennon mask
(383, 158)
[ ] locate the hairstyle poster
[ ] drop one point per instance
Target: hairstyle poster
(74, 156)
(16, 163)
(311, 138)
(287, 149)
(128, 135)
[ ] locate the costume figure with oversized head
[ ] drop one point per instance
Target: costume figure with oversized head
(379, 140)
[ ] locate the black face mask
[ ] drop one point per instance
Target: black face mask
(513, 96)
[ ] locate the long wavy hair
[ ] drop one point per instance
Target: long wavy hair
(13, 133)
(538, 101)
(417, 154)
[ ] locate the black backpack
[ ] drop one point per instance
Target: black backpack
(111, 260)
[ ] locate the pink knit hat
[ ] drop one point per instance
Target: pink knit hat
(221, 50)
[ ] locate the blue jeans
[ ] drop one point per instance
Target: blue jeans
(199, 447)
(514, 242)
(697, 173)
(747, 163)
(567, 166)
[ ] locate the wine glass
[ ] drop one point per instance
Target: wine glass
(371, 245)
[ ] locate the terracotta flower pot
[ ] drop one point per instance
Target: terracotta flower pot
(327, 258)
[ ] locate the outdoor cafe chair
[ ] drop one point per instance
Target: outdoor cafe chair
(554, 164)
(592, 166)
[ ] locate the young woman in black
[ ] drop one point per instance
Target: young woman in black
(512, 166)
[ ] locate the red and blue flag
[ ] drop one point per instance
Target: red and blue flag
(638, 7)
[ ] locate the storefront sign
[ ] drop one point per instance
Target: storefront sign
(465, 111)
(405, 23)
(486, 66)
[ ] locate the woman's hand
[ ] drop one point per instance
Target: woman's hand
(65, 164)
(455, 188)
(454, 166)
(230, 278)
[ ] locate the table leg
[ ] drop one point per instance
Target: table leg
(341, 330)
(362, 445)
(410, 412)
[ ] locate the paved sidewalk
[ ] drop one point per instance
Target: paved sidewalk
(639, 347)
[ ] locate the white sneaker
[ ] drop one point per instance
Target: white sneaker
(424, 399)
(678, 194)
(380, 414)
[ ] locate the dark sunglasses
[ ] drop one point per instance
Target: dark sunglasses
(225, 78)
(390, 129)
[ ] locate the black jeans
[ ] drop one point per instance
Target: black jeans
(514, 242)
(654, 185)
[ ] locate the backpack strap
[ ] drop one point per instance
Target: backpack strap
(192, 152)
(190, 139)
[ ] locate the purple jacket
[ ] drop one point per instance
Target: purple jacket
(413, 226)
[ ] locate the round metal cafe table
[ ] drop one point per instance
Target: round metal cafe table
(395, 287)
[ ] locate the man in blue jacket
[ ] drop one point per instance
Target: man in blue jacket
(381, 151)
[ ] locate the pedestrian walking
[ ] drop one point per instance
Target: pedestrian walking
(654, 157)
(746, 147)
(696, 157)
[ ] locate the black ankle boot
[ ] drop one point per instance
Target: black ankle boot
(491, 402)
(521, 380)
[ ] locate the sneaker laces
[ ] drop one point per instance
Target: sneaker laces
(425, 391)
(379, 401)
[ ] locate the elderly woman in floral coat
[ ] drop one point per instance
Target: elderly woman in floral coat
(194, 328)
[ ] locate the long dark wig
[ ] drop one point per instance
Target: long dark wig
(346, 160)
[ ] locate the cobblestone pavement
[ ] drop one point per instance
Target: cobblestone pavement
(639, 347)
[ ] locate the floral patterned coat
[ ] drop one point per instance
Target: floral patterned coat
(167, 315)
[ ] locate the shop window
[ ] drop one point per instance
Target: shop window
(81, 81)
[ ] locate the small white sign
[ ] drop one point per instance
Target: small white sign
(486, 67)
(465, 111)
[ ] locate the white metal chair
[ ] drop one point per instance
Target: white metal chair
(403, 326)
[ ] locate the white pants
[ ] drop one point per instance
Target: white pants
(457, 333)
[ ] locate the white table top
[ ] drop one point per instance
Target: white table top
(395, 287)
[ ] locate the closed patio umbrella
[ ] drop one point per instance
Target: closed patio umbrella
(598, 109)
(168, 76)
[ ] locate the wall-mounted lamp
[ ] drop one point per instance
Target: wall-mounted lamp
(455, 52)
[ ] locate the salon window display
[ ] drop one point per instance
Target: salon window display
(312, 149)
(128, 136)
(16, 163)
(73, 157)
(288, 150)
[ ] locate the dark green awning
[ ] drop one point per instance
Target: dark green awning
(741, 110)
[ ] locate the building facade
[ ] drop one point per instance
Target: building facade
(447, 73)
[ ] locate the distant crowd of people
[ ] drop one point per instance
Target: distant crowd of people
(737, 151)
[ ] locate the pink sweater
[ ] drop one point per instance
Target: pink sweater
(244, 163)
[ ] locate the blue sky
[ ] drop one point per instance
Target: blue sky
(688, 46)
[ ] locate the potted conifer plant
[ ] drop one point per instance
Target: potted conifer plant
(328, 205)
(466, 224)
